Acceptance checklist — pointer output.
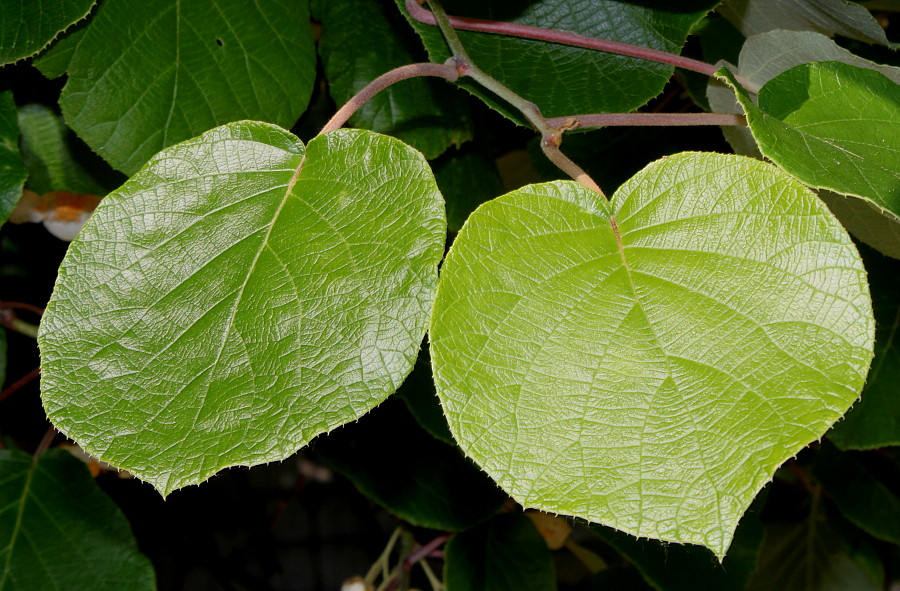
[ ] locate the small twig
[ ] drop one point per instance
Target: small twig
(20, 383)
(436, 584)
(12, 322)
(381, 563)
(423, 551)
(562, 161)
(44, 445)
(447, 72)
(646, 119)
(561, 37)
(22, 306)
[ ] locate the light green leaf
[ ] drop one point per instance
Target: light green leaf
(12, 170)
(358, 44)
(31, 25)
(397, 464)
(47, 156)
(829, 17)
(239, 296)
(833, 126)
(564, 80)
(874, 421)
(59, 531)
(145, 75)
(647, 363)
(504, 553)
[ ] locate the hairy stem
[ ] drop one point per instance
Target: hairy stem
(551, 136)
(447, 72)
(645, 119)
(561, 37)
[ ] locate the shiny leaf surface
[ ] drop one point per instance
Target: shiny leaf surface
(239, 296)
(647, 363)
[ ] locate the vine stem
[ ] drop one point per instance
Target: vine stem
(447, 72)
(550, 136)
(417, 12)
(646, 119)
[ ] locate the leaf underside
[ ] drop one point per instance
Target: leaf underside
(239, 296)
(648, 363)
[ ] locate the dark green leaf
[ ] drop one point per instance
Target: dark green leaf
(358, 44)
(675, 567)
(239, 296)
(829, 17)
(874, 421)
(31, 25)
(564, 80)
(59, 531)
(861, 497)
(420, 397)
(467, 179)
(810, 555)
(647, 363)
(833, 126)
(145, 75)
(46, 153)
(12, 170)
(767, 55)
(395, 463)
(505, 553)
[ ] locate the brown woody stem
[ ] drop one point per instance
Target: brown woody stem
(447, 72)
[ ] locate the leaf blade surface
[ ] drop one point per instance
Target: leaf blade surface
(244, 294)
(647, 364)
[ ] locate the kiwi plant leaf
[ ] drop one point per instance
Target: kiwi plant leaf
(31, 25)
(833, 126)
(239, 296)
(145, 75)
(359, 42)
(12, 170)
(594, 81)
(647, 363)
(59, 530)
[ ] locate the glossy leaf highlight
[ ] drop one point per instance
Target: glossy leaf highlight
(647, 363)
(239, 296)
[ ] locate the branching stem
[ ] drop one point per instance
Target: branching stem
(447, 72)
(562, 37)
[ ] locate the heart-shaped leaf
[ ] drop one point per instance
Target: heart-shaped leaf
(647, 363)
(239, 296)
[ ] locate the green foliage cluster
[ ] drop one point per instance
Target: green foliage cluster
(637, 367)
